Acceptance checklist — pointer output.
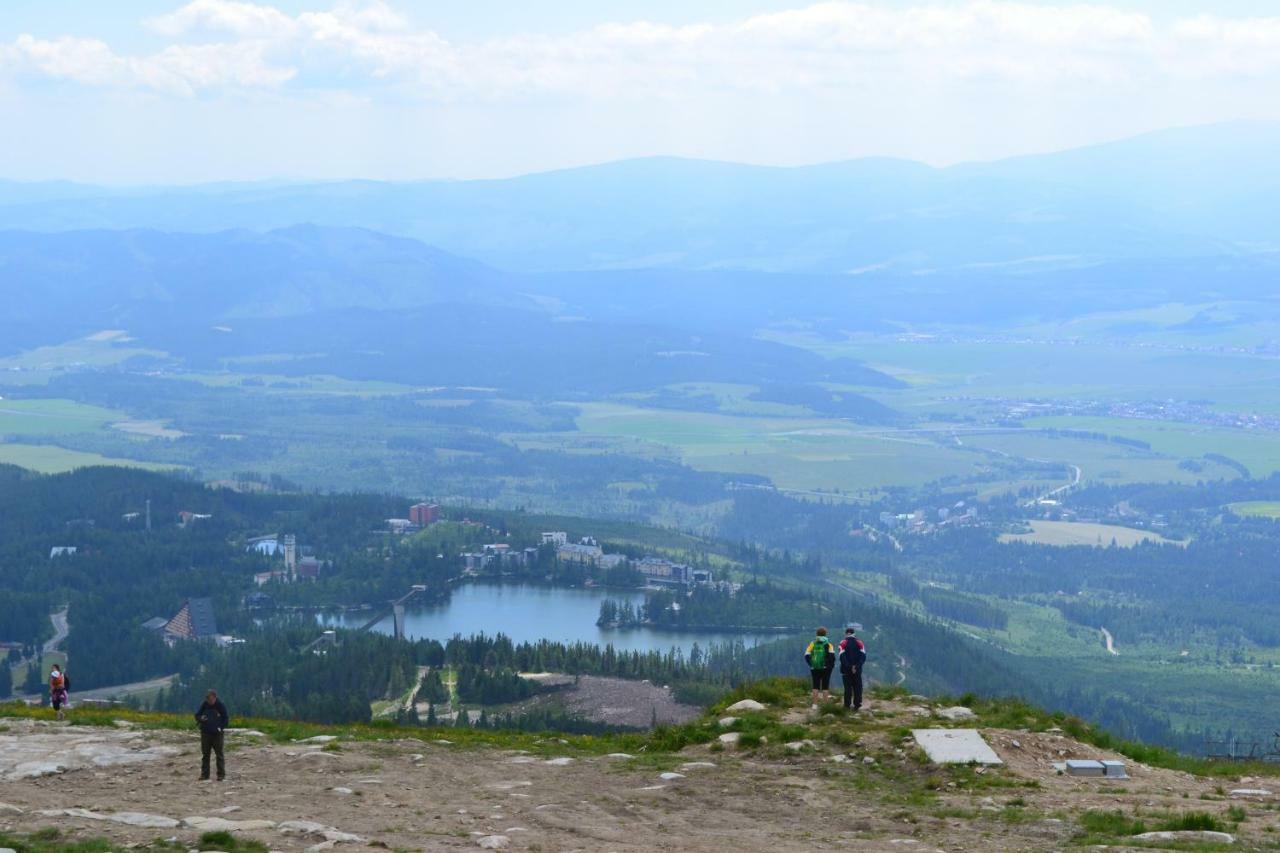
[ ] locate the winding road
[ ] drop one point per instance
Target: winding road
(60, 631)
(1110, 641)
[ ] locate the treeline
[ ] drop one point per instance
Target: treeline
(275, 674)
(755, 605)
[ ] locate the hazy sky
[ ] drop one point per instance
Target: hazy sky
(157, 90)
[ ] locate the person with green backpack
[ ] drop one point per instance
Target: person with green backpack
(821, 657)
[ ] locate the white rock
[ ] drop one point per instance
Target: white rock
(725, 722)
(918, 710)
(342, 791)
(1238, 792)
(839, 758)
(671, 777)
(318, 755)
(654, 788)
(507, 786)
(730, 738)
(493, 842)
(7, 850)
(301, 827)
(959, 712)
(620, 756)
(318, 739)
(6, 808)
(868, 760)
(147, 821)
(800, 745)
(221, 824)
(696, 765)
(1188, 835)
(745, 705)
(559, 762)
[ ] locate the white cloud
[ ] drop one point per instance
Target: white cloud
(827, 48)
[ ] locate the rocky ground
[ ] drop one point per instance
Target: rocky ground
(852, 784)
(615, 701)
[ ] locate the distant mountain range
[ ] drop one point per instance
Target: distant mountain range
(1194, 192)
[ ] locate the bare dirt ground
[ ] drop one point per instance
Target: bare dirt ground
(414, 795)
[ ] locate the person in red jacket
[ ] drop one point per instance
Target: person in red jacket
(853, 654)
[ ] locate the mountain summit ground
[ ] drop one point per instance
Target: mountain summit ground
(781, 779)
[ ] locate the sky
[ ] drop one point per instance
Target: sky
(158, 91)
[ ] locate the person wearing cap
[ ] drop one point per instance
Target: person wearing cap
(853, 654)
(212, 719)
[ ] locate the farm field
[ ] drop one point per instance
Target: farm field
(1257, 450)
(1257, 509)
(1068, 533)
(1099, 460)
(49, 459)
(53, 417)
(800, 453)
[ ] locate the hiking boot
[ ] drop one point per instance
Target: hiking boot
(204, 778)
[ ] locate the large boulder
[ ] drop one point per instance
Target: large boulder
(744, 706)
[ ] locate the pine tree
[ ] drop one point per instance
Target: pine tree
(431, 715)
(6, 680)
(463, 720)
(35, 682)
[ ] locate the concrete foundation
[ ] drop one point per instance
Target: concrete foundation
(956, 746)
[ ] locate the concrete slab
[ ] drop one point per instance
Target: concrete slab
(1085, 767)
(955, 746)
(1114, 770)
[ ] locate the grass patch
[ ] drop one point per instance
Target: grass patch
(228, 843)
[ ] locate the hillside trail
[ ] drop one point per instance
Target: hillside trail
(135, 786)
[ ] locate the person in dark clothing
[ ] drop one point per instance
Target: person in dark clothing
(820, 655)
(212, 718)
(853, 654)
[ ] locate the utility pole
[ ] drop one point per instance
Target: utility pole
(148, 515)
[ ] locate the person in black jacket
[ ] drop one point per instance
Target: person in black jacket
(212, 718)
(853, 654)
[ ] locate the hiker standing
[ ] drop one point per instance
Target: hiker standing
(821, 657)
(58, 687)
(853, 654)
(212, 717)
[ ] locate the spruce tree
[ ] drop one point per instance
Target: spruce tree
(6, 680)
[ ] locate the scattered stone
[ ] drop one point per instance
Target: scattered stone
(343, 791)
(730, 738)
(868, 760)
(6, 808)
(318, 754)
(318, 739)
(918, 710)
(221, 824)
(507, 786)
(839, 758)
(654, 788)
(670, 776)
(1193, 835)
(725, 722)
(696, 765)
(1259, 793)
(493, 842)
(308, 827)
(800, 745)
(522, 759)
(955, 746)
(1015, 743)
(745, 705)
(620, 756)
(958, 712)
(916, 697)
(559, 762)
(443, 741)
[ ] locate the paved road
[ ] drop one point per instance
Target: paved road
(60, 631)
(116, 691)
